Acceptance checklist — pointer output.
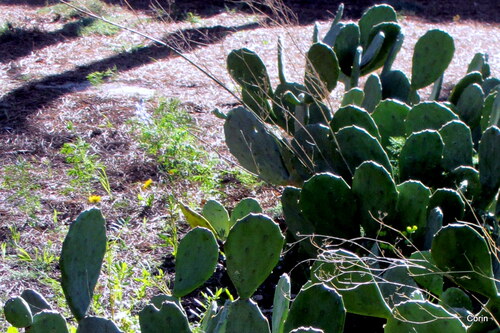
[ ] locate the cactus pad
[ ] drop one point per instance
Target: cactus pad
(306, 330)
(345, 46)
(244, 316)
(424, 271)
(195, 261)
(249, 262)
(390, 116)
(421, 157)
(17, 312)
(428, 115)
(322, 71)
(281, 303)
(218, 217)
(463, 254)
(411, 206)
(432, 55)
(243, 208)
(48, 321)
(450, 202)
(81, 259)
(489, 162)
(372, 17)
(376, 196)
(458, 148)
(246, 68)
(97, 324)
(169, 319)
(353, 115)
(395, 85)
(318, 306)
(373, 93)
(36, 301)
(328, 204)
(470, 105)
(467, 80)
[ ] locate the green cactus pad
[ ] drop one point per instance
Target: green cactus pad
(470, 105)
(490, 113)
(395, 85)
(249, 262)
(463, 254)
(489, 162)
(455, 298)
(356, 146)
(249, 71)
(373, 49)
(284, 110)
(373, 93)
(397, 285)
(319, 113)
(258, 102)
(218, 217)
(432, 55)
(245, 316)
(466, 180)
(350, 277)
(424, 271)
(218, 323)
(97, 324)
(421, 157)
(322, 71)
(467, 80)
(318, 306)
(48, 321)
(372, 17)
(428, 115)
(450, 202)
(434, 223)
(194, 219)
(390, 117)
(254, 146)
(479, 63)
(458, 147)
(411, 206)
(82, 253)
(422, 316)
(36, 301)
(17, 312)
(354, 96)
(490, 84)
(296, 223)
(158, 300)
(328, 204)
(345, 46)
(353, 115)
(281, 303)
(391, 33)
(168, 319)
(436, 89)
(243, 208)
(195, 261)
(306, 330)
(376, 196)
(314, 147)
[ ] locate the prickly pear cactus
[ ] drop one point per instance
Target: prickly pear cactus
(376, 195)
(245, 316)
(432, 55)
(350, 277)
(36, 301)
(218, 217)
(168, 319)
(195, 261)
(489, 162)
(48, 321)
(281, 303)
(374, 16)
(422, 316)
(390, 117)
(328, 204)
(373, 93)
(17, 312)
(463, 254)
(322, 71)
(317, 306)
(470, 104)
(458, 148)
(257, 149)
(306, 330)
(424, 271)
(243, 208)
(450, 202)
(466, 81)
(96, 324)
(246, 68)
(428, 115)
(81, 259)
(353, 115)
(252, 250)
(411, 208)
(421, 157)
(194, 219)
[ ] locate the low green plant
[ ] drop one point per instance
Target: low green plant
(98, 78)
(193, 18)
(66, 12)
(167, 136)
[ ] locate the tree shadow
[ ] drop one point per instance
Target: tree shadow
(17, 42)
(18, 104)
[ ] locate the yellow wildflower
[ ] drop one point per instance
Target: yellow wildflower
(147, 183)
(94, 198)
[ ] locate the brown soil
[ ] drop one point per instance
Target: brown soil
(44, 65)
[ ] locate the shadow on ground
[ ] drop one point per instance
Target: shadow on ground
(308, 11)
(18, 104)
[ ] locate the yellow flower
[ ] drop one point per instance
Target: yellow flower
(147, 183)
(94, 198)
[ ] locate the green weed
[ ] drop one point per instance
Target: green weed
(97, 78)
(99, 27)
(166, 135)
(193, 18)
(66, 12)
